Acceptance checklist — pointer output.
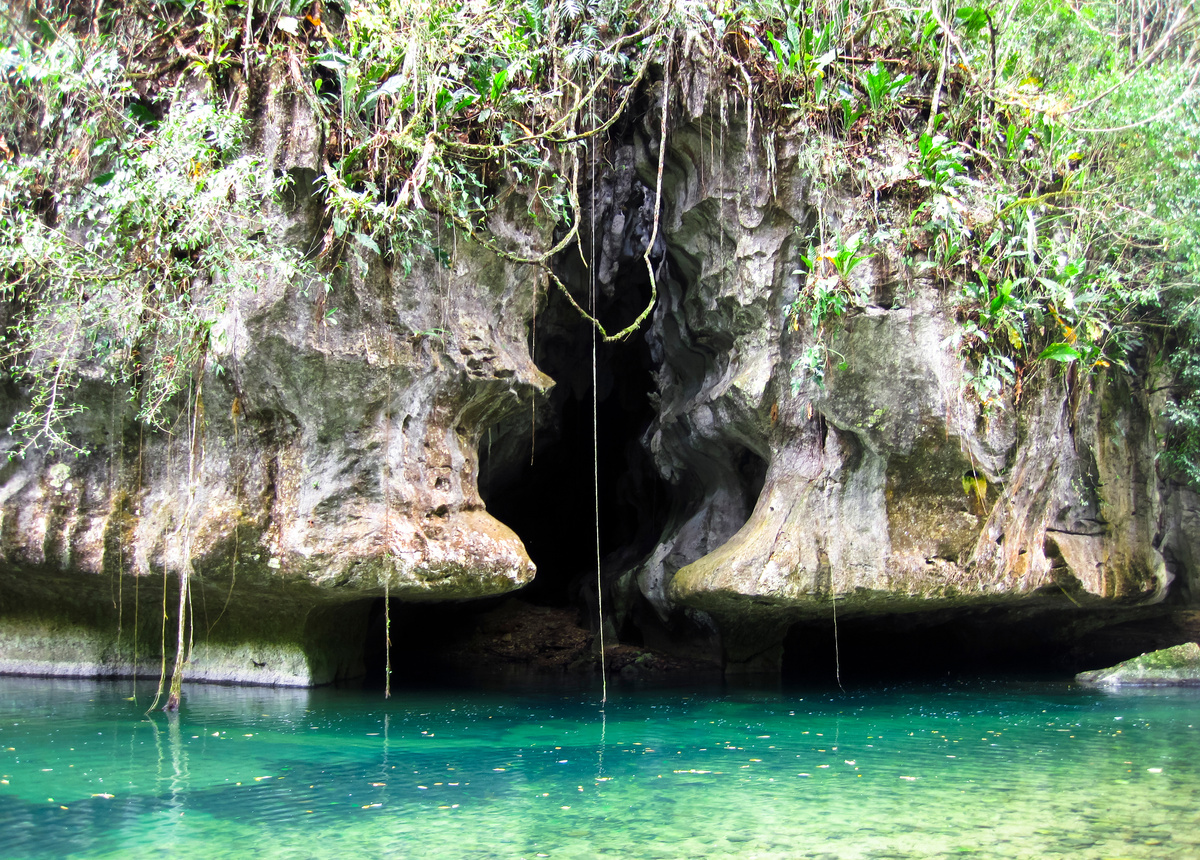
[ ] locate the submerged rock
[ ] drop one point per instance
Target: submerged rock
(1171, 667)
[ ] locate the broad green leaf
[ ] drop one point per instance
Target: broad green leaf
(367, 242)
(1059, 352)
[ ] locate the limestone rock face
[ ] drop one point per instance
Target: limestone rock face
(325, 463)
(888, 487)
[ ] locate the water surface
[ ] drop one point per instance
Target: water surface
(990, 769)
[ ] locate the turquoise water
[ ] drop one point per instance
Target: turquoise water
(984, 770)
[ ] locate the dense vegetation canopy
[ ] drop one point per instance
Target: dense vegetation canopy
(1050, 169)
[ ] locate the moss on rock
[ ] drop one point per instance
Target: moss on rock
(1178, 666)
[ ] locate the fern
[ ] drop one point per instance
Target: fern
(580, 53)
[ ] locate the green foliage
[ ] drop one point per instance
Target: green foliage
(121, 237)
(441, 106)
(881, 87)
(828, 291)
(809, 41)
(826, 294)
(1183, 452)
(804, 51)
(939, 162)
(998, 330)
(1082, 120)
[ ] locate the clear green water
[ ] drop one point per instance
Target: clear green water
(985, 770)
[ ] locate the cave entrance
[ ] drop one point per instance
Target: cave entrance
(540, 482)
(967, 644)
(424, 638)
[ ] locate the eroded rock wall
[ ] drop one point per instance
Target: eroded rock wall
(314, 465)
(327, 465)
(889, 487)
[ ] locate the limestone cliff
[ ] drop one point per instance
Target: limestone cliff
(332, 465)
(329, 461)
(889, 487)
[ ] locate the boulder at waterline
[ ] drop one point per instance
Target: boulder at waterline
(1178, 666)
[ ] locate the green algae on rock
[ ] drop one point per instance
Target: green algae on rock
(1171, 667)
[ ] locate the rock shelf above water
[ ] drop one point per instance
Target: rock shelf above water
(1178, 666)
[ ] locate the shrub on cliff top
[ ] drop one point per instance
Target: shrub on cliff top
(128, 215)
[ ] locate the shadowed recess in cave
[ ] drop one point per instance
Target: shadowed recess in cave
(536, 475)
(541, 484)
(1051, 643)
(479, 643)
(419, 632)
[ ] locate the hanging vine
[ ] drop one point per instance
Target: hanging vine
(443, 113)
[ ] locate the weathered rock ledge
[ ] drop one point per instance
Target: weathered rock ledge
(1178, 666)
(329, 466)
(888, 487)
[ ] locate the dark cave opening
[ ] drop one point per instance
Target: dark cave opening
(549, 475)
(541, 484)
(970, 644)
(421, 635)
